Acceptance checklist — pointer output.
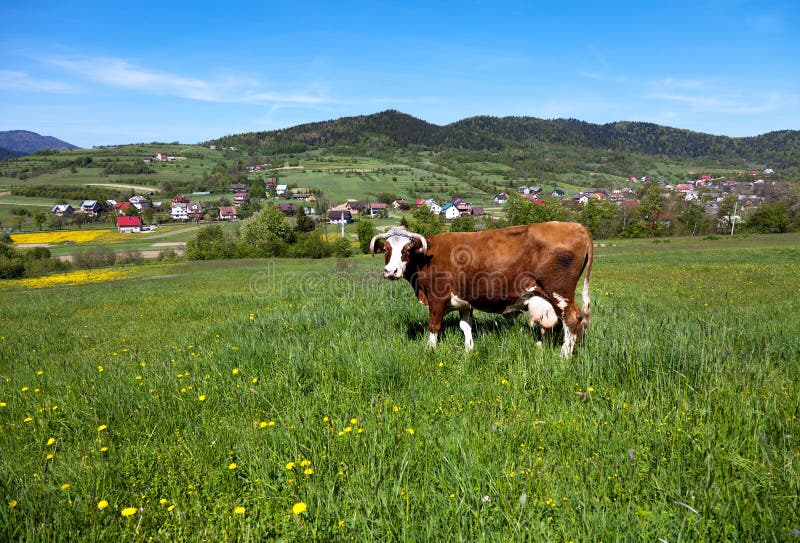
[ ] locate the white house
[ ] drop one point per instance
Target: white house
(139, 202)
(62, 209)
(280, 190)
(435, 208)
(450, 212)
(179, 211)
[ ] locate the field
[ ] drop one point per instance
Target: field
(294, 400)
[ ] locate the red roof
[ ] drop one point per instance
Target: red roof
(129, 221)
(122, 205)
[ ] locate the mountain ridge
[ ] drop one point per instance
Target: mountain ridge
(393, 128)
(15, 143)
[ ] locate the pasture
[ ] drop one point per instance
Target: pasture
(294, 400)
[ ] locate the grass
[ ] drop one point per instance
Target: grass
(207, 400)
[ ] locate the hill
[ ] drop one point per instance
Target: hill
(14, 143)
(392, 130)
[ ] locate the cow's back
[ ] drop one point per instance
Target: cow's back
(493, 268)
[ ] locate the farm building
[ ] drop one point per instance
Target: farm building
(127, 225)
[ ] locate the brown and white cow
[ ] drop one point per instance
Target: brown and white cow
(535, 267)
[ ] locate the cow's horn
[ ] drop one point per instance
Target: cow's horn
(376, 238)
(422, 239)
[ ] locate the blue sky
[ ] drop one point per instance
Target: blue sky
(99, 73)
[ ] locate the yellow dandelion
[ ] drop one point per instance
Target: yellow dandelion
(101, 427)
(65, 486)
(255, 380)
(309, 471)
(396, 408)
(299, 507)
(162, 501)
(128, 511)
(271, 423)
(353, 421)
(232, 465)
(202, 397)
(170, 508)
(49, 456)
(305, 463)
(590, 389)
(103, 449)
(12, 504)
(235, 371)
(290, 465)
(410, 431)
(24, 389)
(238, 510)
(28, 419)
(3, 404)
(262, 424)
(51, 441)
(102, 504)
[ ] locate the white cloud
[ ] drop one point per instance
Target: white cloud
(21, 81)
(115, 72)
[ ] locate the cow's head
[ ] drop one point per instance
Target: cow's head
(399, 246)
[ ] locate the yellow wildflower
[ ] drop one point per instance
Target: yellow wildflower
(12, 504)
(65, 486)
(102, 504)
(128, 511)
(232, 465)
(299, 507)
(101, 427)
(239, 510)
(51, 441)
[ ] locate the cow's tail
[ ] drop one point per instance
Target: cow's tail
(587, 265)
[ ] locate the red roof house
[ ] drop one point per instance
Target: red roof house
(129, 224)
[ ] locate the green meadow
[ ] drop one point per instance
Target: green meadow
(294, 400)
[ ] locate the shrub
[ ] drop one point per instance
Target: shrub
(95, 257)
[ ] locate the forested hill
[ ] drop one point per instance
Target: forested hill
(395, 129)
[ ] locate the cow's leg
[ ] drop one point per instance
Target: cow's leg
(573, 329)
(435, 314)
(466, 326)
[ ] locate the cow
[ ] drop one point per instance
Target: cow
(497, 271)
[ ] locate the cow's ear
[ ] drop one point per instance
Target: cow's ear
(417, 246)
(379, 247)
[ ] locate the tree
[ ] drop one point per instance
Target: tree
(693, 218)
(209, 244)
(725, 213)
(147, 214)
(366, 231)
(463, 223)
(267, 232)
(304, 222)
(769, 219)
(426, 223)
(599, 216)
(40, 217)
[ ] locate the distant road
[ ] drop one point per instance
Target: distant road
(124, 186)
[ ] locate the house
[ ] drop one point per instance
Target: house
(435, 208)
(92, 208)
(769, 171)
(356, 206)
(61, 210)
(280, 190)
(180, 199)
(501, 198)
(238, 187)
(450, 211)
(121, 207)
(139, 202)
(401, 204)
(227, 213)
(558, 193)
(147, 160)
(288, 209)
(377, 208)
(195, 210)
(162, 157)
(180, 211)
(478, 212)
(241, 199)
(127, 225)
(340, 216)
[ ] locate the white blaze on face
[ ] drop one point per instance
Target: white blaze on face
(396, 267)
(541, 312)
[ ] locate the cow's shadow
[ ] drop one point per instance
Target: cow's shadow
(483, 324)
